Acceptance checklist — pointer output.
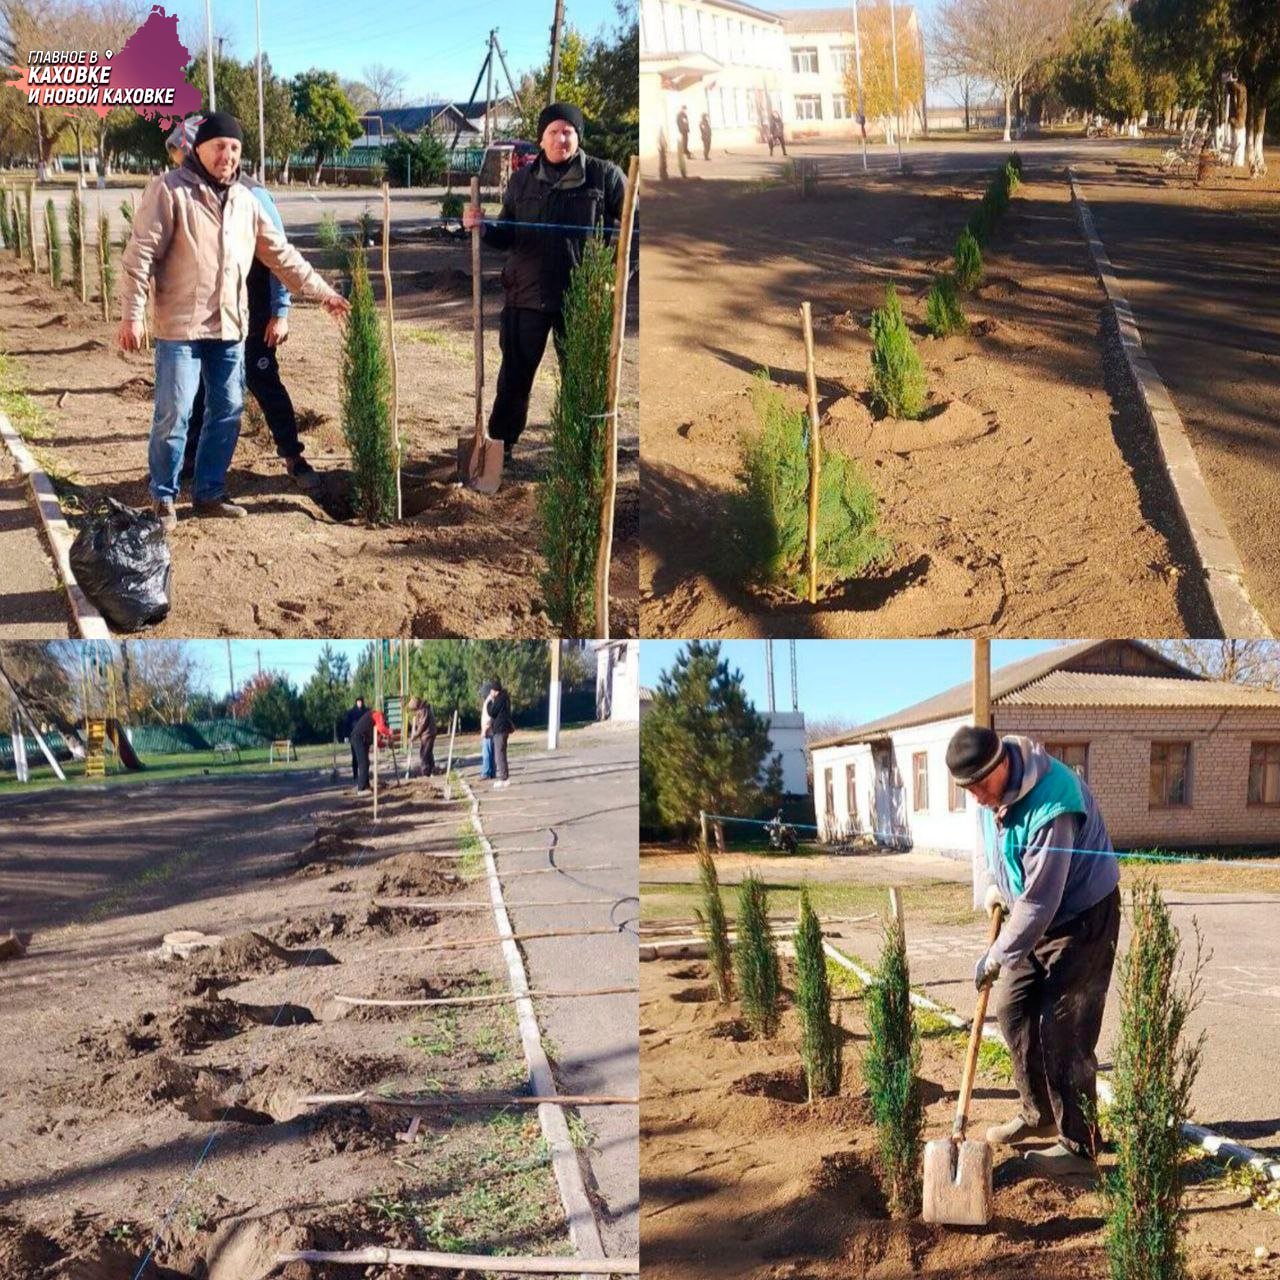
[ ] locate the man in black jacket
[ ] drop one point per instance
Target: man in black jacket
(349, 722)
(563, 189)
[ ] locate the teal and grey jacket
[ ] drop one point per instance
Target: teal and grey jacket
(1046, 847)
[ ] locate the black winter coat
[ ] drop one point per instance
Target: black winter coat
(588, 194)
(500, 720)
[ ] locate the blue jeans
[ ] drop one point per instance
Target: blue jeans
(180, 366)
(486, 757)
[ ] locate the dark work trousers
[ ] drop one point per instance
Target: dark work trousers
(500, 757)
(262, 381)
(427, 754)
(1051, 1016)
(522, 336)
(361, 746)
(355, 761)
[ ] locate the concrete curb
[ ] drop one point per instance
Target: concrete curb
(1219, 559)
(1213, 1144)
(90, 624)
(584, 1231)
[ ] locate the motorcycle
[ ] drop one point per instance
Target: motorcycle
(781, 834)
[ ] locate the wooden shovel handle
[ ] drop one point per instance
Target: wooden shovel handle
(477, 313)
(975, 1038)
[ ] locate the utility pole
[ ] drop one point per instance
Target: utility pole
(982, 684)
(857, 63)
(231, 682)
(262, 130)
(768, 673)
(259, 664)
(553, 699)
(795, 686)
(897, 96)
(488, 92)
(556, 28)
(208, 53)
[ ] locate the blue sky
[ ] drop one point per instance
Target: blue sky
(293, 658)
(857, 680)
(439, 45)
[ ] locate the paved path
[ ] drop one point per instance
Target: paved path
(588, 792)
(1235, 1093)
(1202, 285)
(31, 605)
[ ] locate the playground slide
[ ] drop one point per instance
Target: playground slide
(124, 748)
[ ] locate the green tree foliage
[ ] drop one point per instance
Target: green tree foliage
(270, 703)
(715, 927)
(53, 237)
(942, 310)
(890, 1069)
(523, 666)
(75, 235)
(420, 160)
(327, 693)
(366, 401)
(755, 961)
(898, 385)
(1156, 1064)
(702, 745)
(1100, 73)
(968, 270)
(570, 495)
(327, 121)
(7, 232)
(438, 671)
(237, 87)
(821, 1042)
(107, 270)
(769, 514)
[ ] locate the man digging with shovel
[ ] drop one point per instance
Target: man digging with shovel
(1046, 858)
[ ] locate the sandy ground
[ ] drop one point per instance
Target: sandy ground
(1034, 501)
(741, 1177)
(1240, 1010)
(140, 1096)
(460, 563)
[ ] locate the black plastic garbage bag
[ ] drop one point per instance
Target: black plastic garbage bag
(121, 559)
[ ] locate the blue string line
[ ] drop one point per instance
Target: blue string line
(217, 1129)
(510, 222)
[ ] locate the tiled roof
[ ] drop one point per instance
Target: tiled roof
(1094, 689)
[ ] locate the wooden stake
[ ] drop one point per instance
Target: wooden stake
(895, 906)
(49, 215)
(443, 904)
(982, 684)
(84, 228)
(391, 340)
(104, 248)
(448, 768)
(815, 446)
(375, 1255)
(492, 939)
(499, 998)
(31, 224)
(375, 770)
(442, 1100)
(560, 871)
(621, 279)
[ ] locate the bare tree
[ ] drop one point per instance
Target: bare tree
(386, 85)
(1000, 41)
(954, 64)
(1253, 662)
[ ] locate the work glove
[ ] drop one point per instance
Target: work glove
(986, 971)
(994, 899)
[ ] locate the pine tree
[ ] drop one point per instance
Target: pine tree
(755, 961)
(703, 745)
(942, 311)
(890, 1069)
(366, 401)
(1155, 1068)
(571, 492)
(715, 928)
(28, 196)
(106, 269)
(821, 1045)
(897, 374)
(55, 243)
(75, 235)
(22, 234)
(968, 261)
(7, 229)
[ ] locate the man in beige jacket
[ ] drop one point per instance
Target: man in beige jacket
(196, 234)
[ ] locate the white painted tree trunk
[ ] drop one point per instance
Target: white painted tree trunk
(1008, 114)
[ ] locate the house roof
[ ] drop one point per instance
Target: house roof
(412, 119)
(1048, 680)
(476, 110)
(798, 21)
(750, 10)
(646, 693)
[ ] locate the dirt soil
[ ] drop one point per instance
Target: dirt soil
(460, 564)
(741, 1177)
(141, 1096)
(1031, 501)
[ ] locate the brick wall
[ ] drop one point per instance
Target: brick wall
(1119, 769)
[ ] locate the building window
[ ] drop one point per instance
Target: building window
(671, 25)
(839, 106)
(843, 58)
(1075, 755)
(804, 62)
(920, 776)
(1170, 775)
(1264, 773)
(830, 793)
(958, 799)
(808, 106)
(851, 793)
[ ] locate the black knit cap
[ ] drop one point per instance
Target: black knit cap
(560, 111)
(219, 124)
(972, 753)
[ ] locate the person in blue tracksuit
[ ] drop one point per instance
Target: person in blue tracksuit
(1045, 857)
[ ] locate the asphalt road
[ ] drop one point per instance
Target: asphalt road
(1235, 1093)
(588, 793)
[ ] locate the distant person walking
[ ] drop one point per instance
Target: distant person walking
(704, 128)
(501, 726)
(777, 133)
(349, 722)
(682, 128)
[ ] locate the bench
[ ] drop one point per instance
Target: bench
(284, 748)
(226, 752)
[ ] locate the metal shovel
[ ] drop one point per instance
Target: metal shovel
(957, 1170)
(479, 455)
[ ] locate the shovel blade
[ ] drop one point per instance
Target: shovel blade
(957, 1183)
(480, 463)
